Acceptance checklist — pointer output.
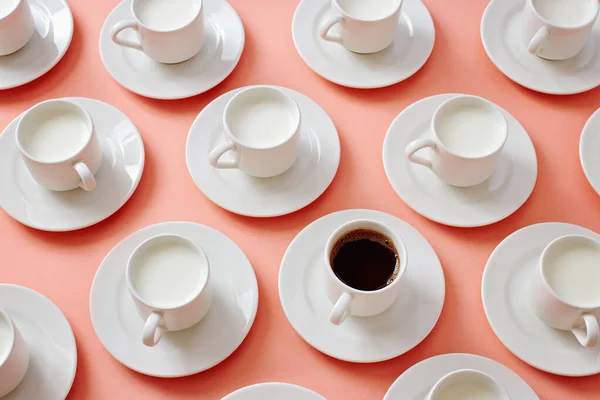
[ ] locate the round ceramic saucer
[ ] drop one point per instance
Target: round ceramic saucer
(360, 339)
(187, 352)
(504, 291)
(122, 166)
(417, 381)
(50, 340)
(495, 199)
(224, 40)
(50, 41)
(410, 50)
(273, 391)
(239, 193)
(589, 150)
(501, 36)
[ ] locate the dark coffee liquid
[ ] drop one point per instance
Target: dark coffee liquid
(365, 259)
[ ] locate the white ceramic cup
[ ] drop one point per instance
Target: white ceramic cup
(469, 133)
(159, 294)
(467, 383)
(160, 39)
(558, 29)
(14, 356)
(262, 127)
(16, 25)
(59, 145)
(562, 281)
(366, 26)
(350, 301)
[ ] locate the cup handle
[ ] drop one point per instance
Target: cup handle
(588, 332)
(152, 332)
(417, 145)
(326, 27)
(214, 158)
(121, 26)
(88, 182)
(540, 36)
(340, 309)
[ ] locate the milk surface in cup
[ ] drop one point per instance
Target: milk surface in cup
(7, 6)
(6, 338)
(369, 10)
(468, 391)
(165, 15)
(565, 12)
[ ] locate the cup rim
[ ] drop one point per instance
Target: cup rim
(140, 23)
(543, 257)
(8, 14)
(26, 114)
(289, 99)
(436, 387)
(383, 229)
(345, 14)
(489, 105)
(592, 20)
(4, 314)
(128, 271)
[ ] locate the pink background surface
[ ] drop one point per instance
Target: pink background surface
(62, 265)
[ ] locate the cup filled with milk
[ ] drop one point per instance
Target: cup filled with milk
(168, 277)
(262, 130)
(565, 287)
(467, 384)
(168, 31)
(16, 25)
(468, 134)
(59, 145)
(14, 355)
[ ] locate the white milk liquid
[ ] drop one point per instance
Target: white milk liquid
(565, 12)
(165, 15)
(5, 337)
(469, 131)
(7, 6)
(57, 136)
(168, 274)
(369, 9)
(574, 273)
(262, 123)
(468, 391)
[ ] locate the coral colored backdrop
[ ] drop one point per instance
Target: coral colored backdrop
(62, 265)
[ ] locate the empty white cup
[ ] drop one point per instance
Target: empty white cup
(366, 26)
(467, 384)
(16, 25)
(59, 145)
(564, 288)
(169, 31)
(168, 277)
(262, 127)
(14, 356)
(469, 133)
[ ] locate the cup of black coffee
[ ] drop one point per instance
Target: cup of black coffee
(365, 261)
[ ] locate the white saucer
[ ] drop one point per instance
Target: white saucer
(51, 344)
(417, 381)
(360, 339)
(132, 69)
(273, 391)
(589, 150)
(505, 301)
(239, 193)
(122, 166)
(408, 53)
(50, 41)
(212, 340)
(495, 199)
(501, 36)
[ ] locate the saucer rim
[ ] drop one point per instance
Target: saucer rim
(587, 163)
(266, 385)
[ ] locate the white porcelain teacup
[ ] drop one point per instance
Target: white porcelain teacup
(14, 355)
(564, 289)
(169, 31)
(168, 277)
(59, 145)
(262, 127)
(363, 301)
(16, 25)
(558, 29)
(469, 133)
(467, 384)
(366, 26)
